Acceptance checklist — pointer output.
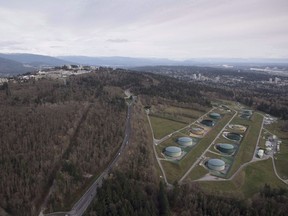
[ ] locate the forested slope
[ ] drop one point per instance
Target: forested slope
(58, 134)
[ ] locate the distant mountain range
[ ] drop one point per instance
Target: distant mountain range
(10, 68)
(136, 62)
(118, 61)
(35, 60)
(17, 63)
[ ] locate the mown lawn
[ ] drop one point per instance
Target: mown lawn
(162, 127)
(281, 160)
(247, 183)
(248, 143)
(197, 172)
(257, 175)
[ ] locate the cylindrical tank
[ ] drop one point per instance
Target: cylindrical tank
(239, 128)
(185, 141)
(173, 151)
(233, 136)
(214, 115)
(208, 122)
(216, 164)
(225, 148)
(197, 130)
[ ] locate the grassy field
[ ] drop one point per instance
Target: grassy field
(162, 127)
(178, 114)
(281, 158)
(172, 171)
(248, 143)
(248, 182)
(166, 119)
(281, 162)
(257, 174)
(179, 170)
(197, 172)
(184, 112)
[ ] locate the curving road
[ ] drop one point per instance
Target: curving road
(155, 153)
(80, 207)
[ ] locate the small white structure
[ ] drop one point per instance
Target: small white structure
(268, 143)
(260, 153)
(268, 150)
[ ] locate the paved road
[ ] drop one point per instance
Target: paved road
(83, 203)
(155, 153)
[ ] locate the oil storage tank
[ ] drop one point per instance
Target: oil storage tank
(197, 130)
(208, 122)
(233, 136)
(173, 151)
(216, 164)
(185, 141)
(225, 148)
(214, 115)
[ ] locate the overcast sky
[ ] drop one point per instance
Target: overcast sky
(176, 29)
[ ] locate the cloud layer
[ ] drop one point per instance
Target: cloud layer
(146, 28)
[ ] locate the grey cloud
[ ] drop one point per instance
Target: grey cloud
(118, 40)
(165, 28)
(9, 43)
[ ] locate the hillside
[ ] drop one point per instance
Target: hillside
(117, 61)
(34, 60)
(10, 67)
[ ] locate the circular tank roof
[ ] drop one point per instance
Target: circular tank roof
(233, 136)
(226, 146)
(207, 122)
(237, 127)
(185, 139)
(216, 162)
(214, 115)
(197, 129)
(173, 149)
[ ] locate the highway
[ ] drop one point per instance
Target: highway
(82, 204)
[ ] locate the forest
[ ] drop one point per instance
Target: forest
(56, 136)
(253, 90)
